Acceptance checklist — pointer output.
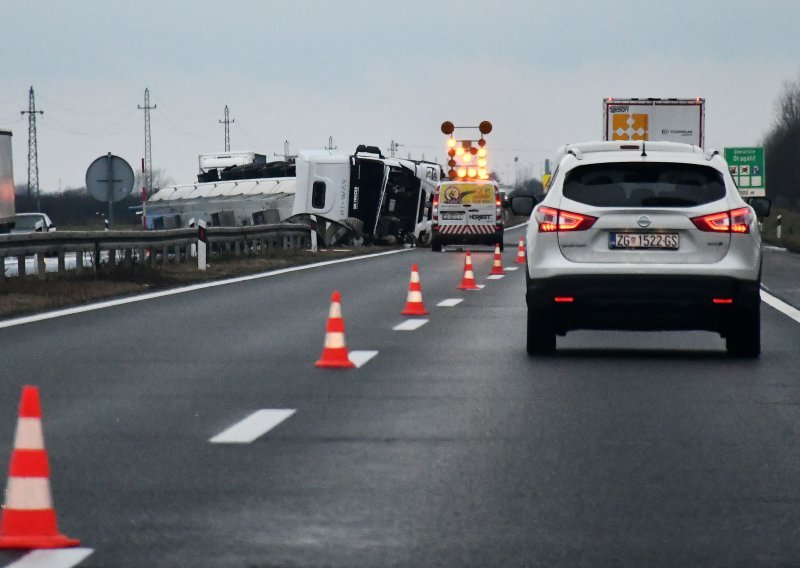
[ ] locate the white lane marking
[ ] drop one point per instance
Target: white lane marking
(253, 427)
(480, 286)
(516, 226)
(780, 305)
(510, 268)
(410, 325)
(360, 358)
(450, 302)
(57, 558)
(184, 289)
(495, 276)
(773, 248)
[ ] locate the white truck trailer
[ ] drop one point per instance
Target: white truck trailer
(663, 120)
(7, 209)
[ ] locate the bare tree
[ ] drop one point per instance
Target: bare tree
(782, 148)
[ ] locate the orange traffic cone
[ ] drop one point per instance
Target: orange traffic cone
(334, 353)
(468, 280)
(521, 251)
(497, 265)
(28, 518)
(414, 305)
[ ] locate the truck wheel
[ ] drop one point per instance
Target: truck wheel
(744, 337)
(436, 244)
(541, 338)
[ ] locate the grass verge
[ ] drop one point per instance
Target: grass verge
(27, 295)
(790, 229)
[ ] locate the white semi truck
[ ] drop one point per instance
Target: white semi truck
(663, 120)
(7, 209)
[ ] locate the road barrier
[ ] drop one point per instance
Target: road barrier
(152, 247)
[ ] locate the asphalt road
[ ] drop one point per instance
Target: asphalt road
(449, 448)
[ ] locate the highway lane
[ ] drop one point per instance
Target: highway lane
(450, 448)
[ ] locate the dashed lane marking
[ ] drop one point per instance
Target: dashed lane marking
(59, 558)
(184, 289)
(510, 268)
(410, 325)
(360, 358)
(780, 305)
(253, 427)
(495, 276)
(450, 302)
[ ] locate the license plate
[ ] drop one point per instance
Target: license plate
(452, 216)
(668, 241)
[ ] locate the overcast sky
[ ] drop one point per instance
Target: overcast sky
(373, 72)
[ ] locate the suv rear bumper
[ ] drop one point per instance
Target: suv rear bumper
(638, 302)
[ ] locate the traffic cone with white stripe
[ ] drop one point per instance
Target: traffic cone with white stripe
(334, 353)
(28, 518)
(468, 280)
(521, 251)
(414, 305)
(497, 265)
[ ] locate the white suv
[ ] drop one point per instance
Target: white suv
(643, 236)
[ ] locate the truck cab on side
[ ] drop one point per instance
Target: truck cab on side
(381, 199)
(467, 211)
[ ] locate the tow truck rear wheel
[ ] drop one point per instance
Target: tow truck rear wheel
(541, 339)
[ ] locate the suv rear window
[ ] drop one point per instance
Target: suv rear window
(636, 184)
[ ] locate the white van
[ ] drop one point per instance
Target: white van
(467, 212)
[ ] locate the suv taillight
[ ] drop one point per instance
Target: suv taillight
(551, 220)
(733, 221)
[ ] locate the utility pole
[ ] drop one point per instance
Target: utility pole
(393, 148)
(33, 153)
(148, 154)
(227, 121)
(286, 154)
(330, 145)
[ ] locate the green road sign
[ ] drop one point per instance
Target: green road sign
(747, 168)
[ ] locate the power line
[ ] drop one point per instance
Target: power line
(33, 152)
(227, 122)
(148, 157)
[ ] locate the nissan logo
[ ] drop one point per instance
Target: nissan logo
(643, 221)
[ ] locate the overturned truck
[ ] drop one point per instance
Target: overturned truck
(359, 198)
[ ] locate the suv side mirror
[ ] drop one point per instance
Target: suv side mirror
(522, 205)
(761, 205)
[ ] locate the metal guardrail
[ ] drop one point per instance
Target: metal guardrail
(154, 246)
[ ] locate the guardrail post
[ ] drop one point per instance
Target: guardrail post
(112, 257)
(97, 256)
(128, 256)
(21, 265)
(237, 248)
(41, 267)
(164, 254)
(2, 269)
(62, 265)
(79, 260)
(177, 252)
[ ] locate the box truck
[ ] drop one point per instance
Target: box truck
(667, 120)
(6, 183)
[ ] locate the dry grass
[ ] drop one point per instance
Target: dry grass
(20, 296)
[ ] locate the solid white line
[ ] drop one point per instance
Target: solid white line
(57, 558)
(252, 427)
(184, 289)
(780, 305)
(450, 302)
(360, 358)
(510, 268)
(516, 226)
(495, 276)
(410, 325)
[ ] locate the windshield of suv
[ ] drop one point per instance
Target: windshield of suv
(644, 185)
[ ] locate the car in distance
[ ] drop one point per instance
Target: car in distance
(643, 236)
(32, 223)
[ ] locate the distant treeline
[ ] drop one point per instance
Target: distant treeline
(782, 150)
(77, 207)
